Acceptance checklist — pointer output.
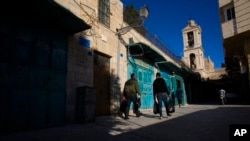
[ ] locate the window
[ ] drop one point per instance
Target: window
(190, 36)
(192, 61)
(229, 13)
(104, 12)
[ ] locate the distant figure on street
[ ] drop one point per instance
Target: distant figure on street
(222, 96)
(161, 93)
(132, 93)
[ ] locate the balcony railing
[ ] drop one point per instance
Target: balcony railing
(160, 45)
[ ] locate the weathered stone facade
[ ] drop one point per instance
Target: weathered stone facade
(67, 63)
(235, 27)
(103, 39)
(194, 52)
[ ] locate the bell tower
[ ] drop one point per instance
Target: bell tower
(193, 51)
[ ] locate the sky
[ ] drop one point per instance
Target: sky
(167, 18)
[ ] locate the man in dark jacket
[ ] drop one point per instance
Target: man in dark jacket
(161, 93)
(131, 90)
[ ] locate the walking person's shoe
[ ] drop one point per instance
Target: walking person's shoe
(138, 114)
(169, 114)
(126, 116)
(161, 117)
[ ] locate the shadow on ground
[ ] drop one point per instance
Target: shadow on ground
(192, 122)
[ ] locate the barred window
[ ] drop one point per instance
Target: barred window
(104, 12)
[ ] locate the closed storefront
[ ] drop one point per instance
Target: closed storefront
(33, 72)
(145, 75)
(33, 65)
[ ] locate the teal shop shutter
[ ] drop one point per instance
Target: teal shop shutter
(171, 82)
(33, 78)
(145, 76)
(182, 84)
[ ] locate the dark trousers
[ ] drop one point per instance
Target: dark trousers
(137, 105)
(132, 98)
(179, 100)
(162, 97)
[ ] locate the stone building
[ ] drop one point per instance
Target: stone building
(106, 61)
(235, 27)
(62, 61)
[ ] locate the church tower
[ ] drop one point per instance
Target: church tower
(193, 51)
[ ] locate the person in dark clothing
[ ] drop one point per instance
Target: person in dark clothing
(222, 96)
(161, 94)
(137, 106)
(179, 94)
(132, 94)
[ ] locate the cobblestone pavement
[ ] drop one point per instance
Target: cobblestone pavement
(189, 123)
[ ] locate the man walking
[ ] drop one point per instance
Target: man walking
(132, 93)
(179, 94)
(161, 93)
(222, 95)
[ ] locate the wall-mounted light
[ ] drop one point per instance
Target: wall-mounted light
(121, 31)
(143, 15)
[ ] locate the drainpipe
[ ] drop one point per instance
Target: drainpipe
(118, 60)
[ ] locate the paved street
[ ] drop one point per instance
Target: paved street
(189, 123)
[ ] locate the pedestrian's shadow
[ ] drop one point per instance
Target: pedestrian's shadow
(151, 116)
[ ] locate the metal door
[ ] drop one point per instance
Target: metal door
(102, 83)
(145, 74)
(33, 68)
(171, 81)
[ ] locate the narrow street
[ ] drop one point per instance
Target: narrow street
(202, 122)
